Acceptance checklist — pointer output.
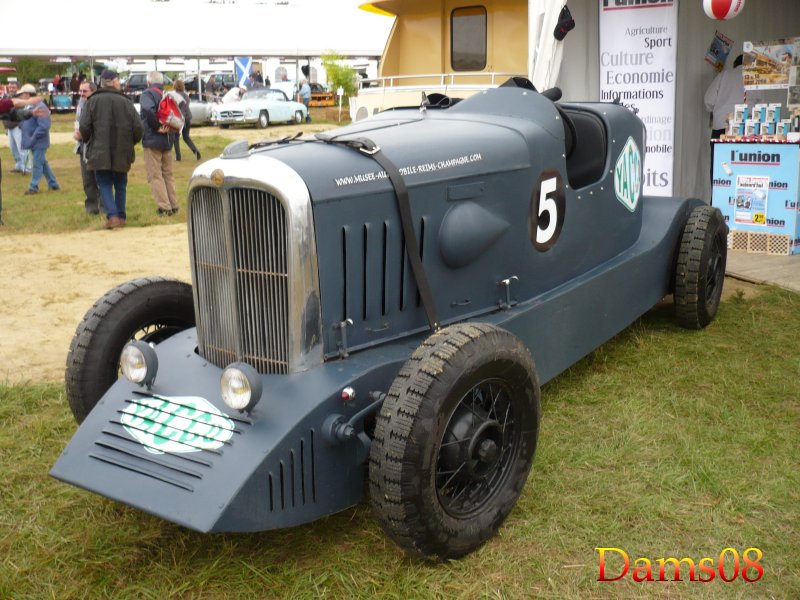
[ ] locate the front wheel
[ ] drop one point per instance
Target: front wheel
(263, 119)
(700, 267)
(150, 309)
(298, 117)
(454, 441)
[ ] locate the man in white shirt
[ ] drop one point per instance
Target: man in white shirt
(725, 91)
(233, 95)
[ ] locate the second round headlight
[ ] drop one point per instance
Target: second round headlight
(240, 386)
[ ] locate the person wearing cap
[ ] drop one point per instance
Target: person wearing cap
(21, 162)
(36, 138)
(157, 144)
(6, 106)
(111, 129)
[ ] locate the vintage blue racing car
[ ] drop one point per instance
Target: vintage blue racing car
(377, 308)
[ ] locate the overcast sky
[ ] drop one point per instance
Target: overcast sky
(114, 28)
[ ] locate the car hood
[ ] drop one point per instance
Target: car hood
(242, 105)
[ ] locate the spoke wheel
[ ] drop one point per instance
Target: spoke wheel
(477, 447)
(454, 440)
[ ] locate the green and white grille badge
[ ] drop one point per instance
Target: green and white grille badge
(176, 424)
(628, 175)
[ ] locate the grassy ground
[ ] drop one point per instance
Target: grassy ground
(664, 443)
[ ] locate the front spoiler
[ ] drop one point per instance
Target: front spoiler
(275, 470)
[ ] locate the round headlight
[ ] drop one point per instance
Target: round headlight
(249, 112)
(240, 386)
(139, 363)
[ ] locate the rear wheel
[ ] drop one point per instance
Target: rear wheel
(150, 309)
(700, 267)
(263, 119)
(454, 440)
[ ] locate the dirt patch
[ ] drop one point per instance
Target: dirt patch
(52, 280)
(737, 287)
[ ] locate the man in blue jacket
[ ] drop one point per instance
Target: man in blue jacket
(36, 138)
(157, 143)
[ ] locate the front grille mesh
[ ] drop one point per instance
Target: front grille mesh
(239, 247)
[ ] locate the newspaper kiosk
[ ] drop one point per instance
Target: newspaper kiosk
(755, 185)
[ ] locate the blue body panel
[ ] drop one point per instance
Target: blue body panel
(472, 173)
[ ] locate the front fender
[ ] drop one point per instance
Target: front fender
(275, 470)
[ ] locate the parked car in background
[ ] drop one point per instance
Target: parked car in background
(136, 83)
(321, 95)
(223, 82)
(261, 107)
(201, 109)
(61, 102)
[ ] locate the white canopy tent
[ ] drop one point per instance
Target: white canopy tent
(544, 51)
(99, 29)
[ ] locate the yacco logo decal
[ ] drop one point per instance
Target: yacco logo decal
(176, 424)
(628, 175)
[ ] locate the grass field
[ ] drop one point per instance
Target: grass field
(663, 443)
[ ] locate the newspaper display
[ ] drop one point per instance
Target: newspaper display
(793, 94)
(752, 193)
(719, 50)
(767, 64)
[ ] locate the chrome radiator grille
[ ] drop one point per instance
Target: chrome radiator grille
(240, 273)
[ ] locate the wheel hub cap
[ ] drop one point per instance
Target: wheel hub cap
(476, 448)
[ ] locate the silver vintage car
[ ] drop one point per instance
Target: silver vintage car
(260, 106)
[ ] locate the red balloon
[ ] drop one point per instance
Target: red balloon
(722, 9)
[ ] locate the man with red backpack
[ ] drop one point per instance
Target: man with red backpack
(157, 142)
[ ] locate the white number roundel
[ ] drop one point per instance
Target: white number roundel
(722, 10)
(548, 204)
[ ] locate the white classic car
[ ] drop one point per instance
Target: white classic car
(260, 106)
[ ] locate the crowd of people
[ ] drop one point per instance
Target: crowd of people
(107, 130)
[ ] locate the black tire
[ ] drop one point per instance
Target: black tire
(700, 267)
(263, 119)
(445, 473)
(225, 126)
(150, 309)
(298, 117)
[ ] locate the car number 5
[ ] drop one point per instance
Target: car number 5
(547, 209)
